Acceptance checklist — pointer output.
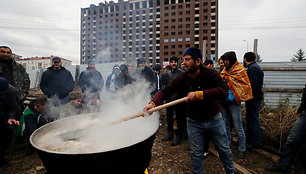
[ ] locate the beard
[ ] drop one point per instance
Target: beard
(57, 68)
(192, 69)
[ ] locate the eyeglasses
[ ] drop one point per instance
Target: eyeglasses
(7, 52)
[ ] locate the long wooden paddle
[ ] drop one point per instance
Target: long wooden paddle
(157, 108)
(73, 135)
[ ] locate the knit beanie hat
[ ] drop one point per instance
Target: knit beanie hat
(194, 52)
(3, 84)
(91, 61)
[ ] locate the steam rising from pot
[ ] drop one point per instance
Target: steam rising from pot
(97, 134)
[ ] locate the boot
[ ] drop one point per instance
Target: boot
(169, 137)
(177, 141)
(241, 155)
(276, 168)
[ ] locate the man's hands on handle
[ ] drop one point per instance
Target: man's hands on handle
(147, 108)
(191, 97)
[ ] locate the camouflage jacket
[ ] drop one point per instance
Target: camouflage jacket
(20, 78)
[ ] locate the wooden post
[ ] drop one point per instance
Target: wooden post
(204, 50)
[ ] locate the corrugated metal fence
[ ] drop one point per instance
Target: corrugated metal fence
(282, 80)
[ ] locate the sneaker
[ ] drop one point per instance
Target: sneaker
(276, 168)
(240, 155)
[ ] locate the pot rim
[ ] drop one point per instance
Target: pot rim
(79, 153)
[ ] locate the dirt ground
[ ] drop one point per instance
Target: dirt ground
(165, 159)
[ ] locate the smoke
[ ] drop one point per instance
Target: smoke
(94, 132)
(104, 55)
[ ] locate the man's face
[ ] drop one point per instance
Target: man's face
(189, 64)
(173, 64)
(40, 108)
(221, 63)
(91, 65)
(140, 64)
(78, 102)
(245, 62)
(210, 66)
(227, 63)
(56, 64)
(5, 53)
(117, 70)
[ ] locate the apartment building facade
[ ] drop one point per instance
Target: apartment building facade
(153, 29)
(33, 63)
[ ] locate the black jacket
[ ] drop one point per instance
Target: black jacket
(56, 82)
(173, 74)
(8, 103)
(91, 80)
(256, 77)
(122, 80)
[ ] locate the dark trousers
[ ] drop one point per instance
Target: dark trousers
(6, 136)
(180, 119)
(253, 125)
(295, 140)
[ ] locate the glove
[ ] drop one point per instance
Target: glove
(199, 95)
(230, 97)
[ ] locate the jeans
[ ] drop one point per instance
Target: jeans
(252, 119)
(196, 135)
(295, 139)
(232, 112)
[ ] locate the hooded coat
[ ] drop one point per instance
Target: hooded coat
(110, 84)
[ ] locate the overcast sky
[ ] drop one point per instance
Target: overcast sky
(43, 28)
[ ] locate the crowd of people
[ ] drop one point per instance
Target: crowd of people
(211, 110)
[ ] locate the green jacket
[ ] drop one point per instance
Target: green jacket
(20, 78)
(21, 126)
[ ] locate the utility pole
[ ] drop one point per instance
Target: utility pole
(255, 49)
(247, 45)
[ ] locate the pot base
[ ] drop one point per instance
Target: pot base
(133, 159)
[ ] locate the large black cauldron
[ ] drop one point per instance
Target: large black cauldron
(132, 159)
